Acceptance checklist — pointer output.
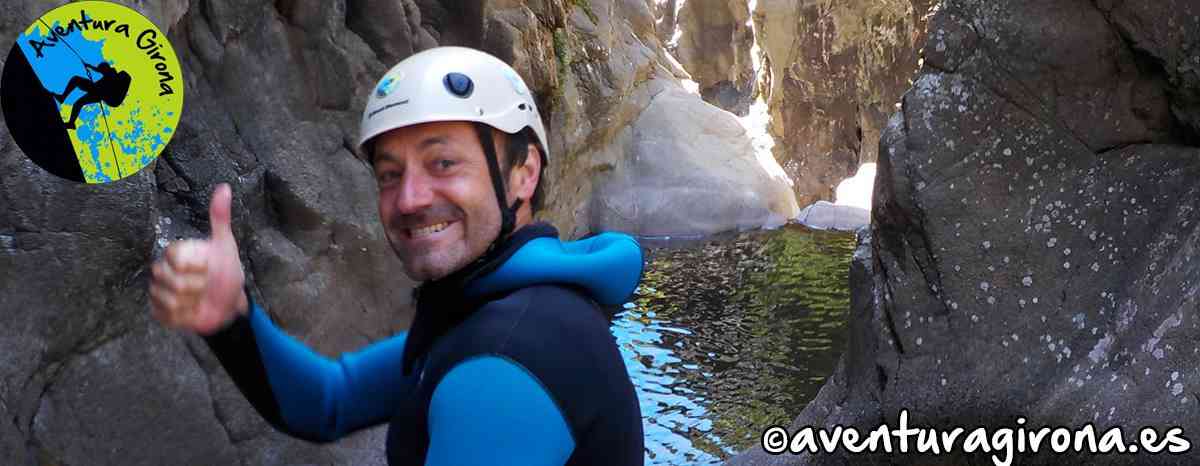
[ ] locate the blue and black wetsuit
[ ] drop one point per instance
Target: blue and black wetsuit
(508, 361)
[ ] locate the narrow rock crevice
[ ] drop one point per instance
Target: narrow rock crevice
(889, 308)
(1154, 69)
(32, 443)
(212, 396)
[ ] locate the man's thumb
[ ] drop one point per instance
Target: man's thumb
(219, 213)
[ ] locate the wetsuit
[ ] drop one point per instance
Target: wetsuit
(508, 361)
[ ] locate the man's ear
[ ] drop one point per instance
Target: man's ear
(523, 179)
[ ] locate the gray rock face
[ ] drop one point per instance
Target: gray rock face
(714, 46)
(833, 72)
(1035, 232)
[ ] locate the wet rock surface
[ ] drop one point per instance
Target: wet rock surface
(1035, 235)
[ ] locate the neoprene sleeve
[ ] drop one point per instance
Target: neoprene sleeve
(488, 410)
(305, 394)
(326, 399)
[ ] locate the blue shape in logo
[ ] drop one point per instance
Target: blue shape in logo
(386, 87)
(55, 66)
(517, 84)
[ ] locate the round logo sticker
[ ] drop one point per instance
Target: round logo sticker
(92, 91)
(386, 86)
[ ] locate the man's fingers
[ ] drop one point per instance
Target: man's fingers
(173, 309)
(192, 283)
(196, 276)
(160, 271)
(162, 316)
(161, 274)
(163, 306)
(188, 256)
(219, 212)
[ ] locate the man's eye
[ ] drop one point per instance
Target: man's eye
(445, 164)
(387, 176)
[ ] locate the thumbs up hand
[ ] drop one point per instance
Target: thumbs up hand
(197, 284)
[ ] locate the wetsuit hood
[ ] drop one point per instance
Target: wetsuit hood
(605, 267)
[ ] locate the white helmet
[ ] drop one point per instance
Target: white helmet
(451, 84)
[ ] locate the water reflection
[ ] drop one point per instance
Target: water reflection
(727, 337)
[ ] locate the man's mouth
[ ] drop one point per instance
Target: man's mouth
(417, 233)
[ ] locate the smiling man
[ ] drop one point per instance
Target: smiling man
(509, 359)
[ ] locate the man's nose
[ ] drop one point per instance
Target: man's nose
(416, 193)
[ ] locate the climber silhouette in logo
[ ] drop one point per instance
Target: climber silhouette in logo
(111, 89)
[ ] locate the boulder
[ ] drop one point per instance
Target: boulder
(689, 168)
(824, 215)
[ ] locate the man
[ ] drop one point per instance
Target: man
(509, 359)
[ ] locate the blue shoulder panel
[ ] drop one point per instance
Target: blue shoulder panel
(491, 411)
(608, 266)
(323, 399)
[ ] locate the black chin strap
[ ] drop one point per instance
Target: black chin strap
(508, 214)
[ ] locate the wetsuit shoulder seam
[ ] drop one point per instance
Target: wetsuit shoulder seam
(532, 293)
(516, 322)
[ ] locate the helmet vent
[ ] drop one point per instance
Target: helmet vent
(459, 84)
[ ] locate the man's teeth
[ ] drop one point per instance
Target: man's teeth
(429, 230)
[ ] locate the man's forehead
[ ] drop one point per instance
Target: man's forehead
(395, 143)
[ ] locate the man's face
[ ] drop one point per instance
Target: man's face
(436, 199)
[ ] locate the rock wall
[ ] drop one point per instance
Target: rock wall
(1036, 229)
(833, 72)
(714, 45)
(666, 14)
(273, 95)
